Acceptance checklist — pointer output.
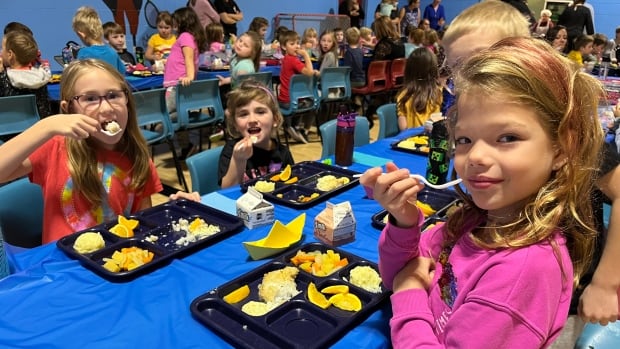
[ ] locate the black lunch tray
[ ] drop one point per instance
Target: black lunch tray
(439, 199)
(154, 221)
(396, 145)
(297, 323)
(307, 173)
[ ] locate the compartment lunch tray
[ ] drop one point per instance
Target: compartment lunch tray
(307, 172)
(153, 222)
(413, 148)
(439, 199)
(295, 323)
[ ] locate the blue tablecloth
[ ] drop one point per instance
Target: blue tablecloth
(51, 301)
(155, 81)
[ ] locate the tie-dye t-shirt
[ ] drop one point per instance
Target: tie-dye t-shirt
(65, 211)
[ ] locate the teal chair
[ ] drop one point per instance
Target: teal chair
(155, 124)
(264, 78)
(328, 131)
(21, 213)
(332, 78)
(199, 106)
(595, 336)
(203, 170)
(388, 121)
(17, 113)
(304, 94)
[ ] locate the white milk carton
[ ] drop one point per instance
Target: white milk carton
(335, 225)
(254, 210)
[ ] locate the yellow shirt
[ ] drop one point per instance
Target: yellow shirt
(575, 55)
(415, 119)
(161, 45)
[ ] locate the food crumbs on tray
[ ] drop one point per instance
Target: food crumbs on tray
(151, 238)
(277, 287)
(198, 229)
(88, 242)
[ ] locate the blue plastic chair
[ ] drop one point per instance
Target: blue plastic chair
(21, 213)
(17, 113)
(199, 105)
(203, 170)
(328, 131)
(151, 110)
(595, 336)
(388, 121)
(264, 78)
(335, 77)
(301, 88)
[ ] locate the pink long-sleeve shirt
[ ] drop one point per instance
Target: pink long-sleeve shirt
(505, 298)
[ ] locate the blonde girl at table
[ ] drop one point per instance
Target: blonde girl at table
(500, 272)
(182, 65)
(87, 177)
(252, 120)
(421, 94)
(246, 59)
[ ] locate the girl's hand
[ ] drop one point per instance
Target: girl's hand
(185, 81)
(243, 150)
(75, 126)
(193, 196)
(599, 303)
(395, 191)
(418, 273)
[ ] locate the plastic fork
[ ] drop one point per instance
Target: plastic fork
(426, 182)
(108, 133)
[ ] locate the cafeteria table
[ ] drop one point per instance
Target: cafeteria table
(52, 301)
(156, 81)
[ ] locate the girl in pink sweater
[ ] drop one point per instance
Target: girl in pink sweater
(500, 272)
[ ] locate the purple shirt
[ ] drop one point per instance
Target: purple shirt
(175, 65)
(505, 298)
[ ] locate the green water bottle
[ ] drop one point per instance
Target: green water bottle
(438, 162)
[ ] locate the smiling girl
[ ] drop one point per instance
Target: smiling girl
(252, 120)
(246, 59)
(525, 146)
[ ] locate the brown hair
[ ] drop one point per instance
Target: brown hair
(244, 94)
(23, 46)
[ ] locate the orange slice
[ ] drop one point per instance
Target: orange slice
(130, 224)
(237, 295)
(291, 181)
(335, 289)
(346, 301)
(316, 297)
(121, 231)
(285, 175)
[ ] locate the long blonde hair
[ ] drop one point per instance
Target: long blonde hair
(530, 73)
(82, 154)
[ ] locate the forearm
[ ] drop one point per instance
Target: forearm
(606, 274)
(234, 175)
(14, 160)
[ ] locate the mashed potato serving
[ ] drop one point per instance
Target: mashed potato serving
(329, 182)
(88, 242)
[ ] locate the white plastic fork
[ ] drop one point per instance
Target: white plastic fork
(426, 182)
(108, 133)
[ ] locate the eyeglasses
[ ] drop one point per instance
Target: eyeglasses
(91, 102)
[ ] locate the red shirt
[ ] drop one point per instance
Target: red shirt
(65, 211)
(290, 65)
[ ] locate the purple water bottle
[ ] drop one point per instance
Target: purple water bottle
(345, 138)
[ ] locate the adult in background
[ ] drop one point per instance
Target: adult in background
(576, 18)
(205, 11)
(352, 9)
(435, 14)
(230, 14)
(409, 16)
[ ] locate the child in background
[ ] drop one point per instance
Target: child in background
(310, 41)
(182, 65)
(246, 59)
(509, 257)
(367, 39)
(354, 58)
(160, 43)
(416, 39)
(252, 121)
(215, 37)
(421, 94)
(18, 76)
(87, 177)
(599, 49)
(386, 7)
(260, 25)
(87, 25)
(291, 64)
(431, 40)
(328, 46)
(340, 42)
(115, 36)
(582, 47)
(276, 36)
